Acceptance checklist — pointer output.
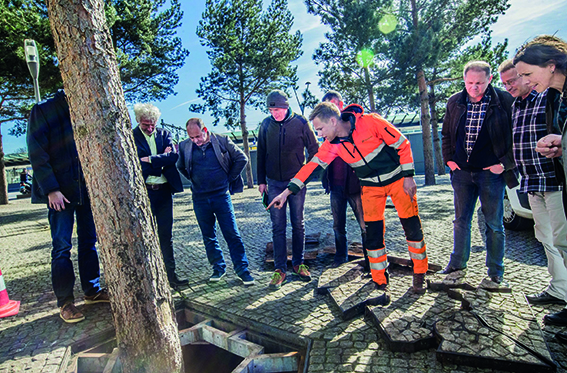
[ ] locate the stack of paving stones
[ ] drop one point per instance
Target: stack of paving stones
(35, 339)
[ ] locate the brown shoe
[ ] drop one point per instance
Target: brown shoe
(278, 278)
(303, 272)
(71, 314)
(419, 283)
(100, 297)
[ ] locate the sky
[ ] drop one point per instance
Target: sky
(524, 20)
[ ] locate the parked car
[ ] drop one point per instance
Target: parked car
(517, 212)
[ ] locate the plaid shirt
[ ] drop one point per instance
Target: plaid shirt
(529, 125)
(476, 111)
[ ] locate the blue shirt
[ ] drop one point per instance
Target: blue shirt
(207, 176)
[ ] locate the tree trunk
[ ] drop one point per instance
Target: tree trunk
(370, 90)
(249, 174)
(426, 129)
(141, 300)
(435, 129)
(425, 119)
(3, 181)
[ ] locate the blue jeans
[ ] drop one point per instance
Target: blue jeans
(339, 200)
(279, 222)
(161, 202)
(468, 187)
(208, 211)
(62, 274)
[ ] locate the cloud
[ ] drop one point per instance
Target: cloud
(525, 14)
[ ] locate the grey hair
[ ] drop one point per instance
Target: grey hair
(146, 111)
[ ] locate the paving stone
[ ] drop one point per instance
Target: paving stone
(25, 263)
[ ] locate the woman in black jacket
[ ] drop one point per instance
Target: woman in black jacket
(542, 63)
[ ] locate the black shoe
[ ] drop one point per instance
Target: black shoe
(557, 319)
(544, 298)
(497, 280)
(174, 281)
(449, 270)
(217, 275)
(561, 337)
(381, 286)
(337, 264)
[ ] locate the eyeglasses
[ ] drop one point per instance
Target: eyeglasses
(511, 81)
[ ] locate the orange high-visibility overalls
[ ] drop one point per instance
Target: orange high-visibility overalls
(381, 157)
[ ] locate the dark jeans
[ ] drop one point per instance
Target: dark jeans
(208, 211)
(468, 187)
(62, 274)
(279, 222)
(161, 202)
(339, 200)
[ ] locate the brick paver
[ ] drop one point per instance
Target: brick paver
(35, 340)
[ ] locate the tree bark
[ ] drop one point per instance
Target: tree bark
(425, 119)
(249, 174)
(3, 181)
(426, 129)
(435, 129)
(370, 89)
(141, 301)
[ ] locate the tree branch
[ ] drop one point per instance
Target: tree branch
(441, 80)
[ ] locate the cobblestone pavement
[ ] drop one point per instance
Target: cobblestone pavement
(35, 339)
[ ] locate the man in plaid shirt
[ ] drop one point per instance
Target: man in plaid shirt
(538, 180)
(477, 147)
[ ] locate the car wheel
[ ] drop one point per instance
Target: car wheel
(513, 221)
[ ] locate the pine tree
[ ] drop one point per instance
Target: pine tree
(251, 53)
(141, 302)
(427, 34)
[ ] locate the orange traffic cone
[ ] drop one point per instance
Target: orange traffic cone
(7, 307)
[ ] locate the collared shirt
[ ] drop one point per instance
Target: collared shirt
(151, 139)
(476, 111)
(528, 126)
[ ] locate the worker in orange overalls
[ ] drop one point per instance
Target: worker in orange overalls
(382, 159)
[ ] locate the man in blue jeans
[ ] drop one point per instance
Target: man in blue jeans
(59, 182)
(213, 164)
(282, 140)
(477, 147)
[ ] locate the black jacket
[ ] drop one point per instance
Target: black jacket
(231, 158)
(162, 163)
(53, 152)
(281, 147)
(498, 122)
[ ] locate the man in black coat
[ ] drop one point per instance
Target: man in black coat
(58, 181)
(477, 147)
(158, 156)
